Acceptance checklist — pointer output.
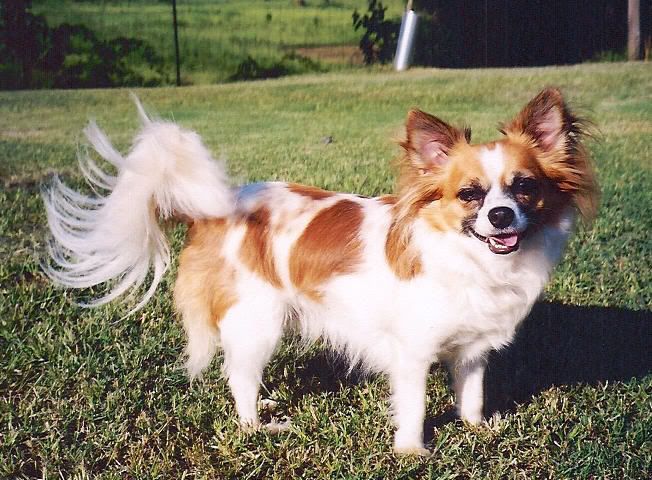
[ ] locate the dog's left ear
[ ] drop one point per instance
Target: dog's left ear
(546, 120)
(555, 130)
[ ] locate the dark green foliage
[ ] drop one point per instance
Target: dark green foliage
(289, 64)
(215, 37)
(34, 55)
(22, 36)
(434, 41)
(380, 36)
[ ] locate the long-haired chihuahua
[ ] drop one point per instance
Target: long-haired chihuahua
(443, 270)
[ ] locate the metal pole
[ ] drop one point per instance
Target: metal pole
(406, 38)
(176, 40)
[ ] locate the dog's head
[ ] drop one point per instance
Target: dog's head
(501, 191)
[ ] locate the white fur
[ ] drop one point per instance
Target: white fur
(493, 164)
(116, 238)
(466, 301)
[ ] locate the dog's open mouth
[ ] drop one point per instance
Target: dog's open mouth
(502, 243)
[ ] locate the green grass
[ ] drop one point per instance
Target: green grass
(215, 36)
(86, 393)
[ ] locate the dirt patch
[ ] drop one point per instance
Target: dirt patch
(13, 134)
(335, 54)
(28, 182)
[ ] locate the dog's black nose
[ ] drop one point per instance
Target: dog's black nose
(501, 217)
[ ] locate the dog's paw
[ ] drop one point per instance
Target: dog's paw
(249, 426)
(412, 451)
(275, 426)
(472, 418)
(268, 405)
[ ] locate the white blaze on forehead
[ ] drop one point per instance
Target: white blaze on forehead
(493, 163)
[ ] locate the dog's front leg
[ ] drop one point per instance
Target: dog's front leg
(468, 376)
(408, 385)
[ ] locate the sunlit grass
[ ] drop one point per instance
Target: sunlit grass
(215, 36)
(86, 393)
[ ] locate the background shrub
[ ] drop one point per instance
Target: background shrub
(33, 55)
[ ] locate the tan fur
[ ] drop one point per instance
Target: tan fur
(463, 167)
(520, 158)
(256, 248)
(402, 257)
(387, 199)
(205, 279)
(420, 184)
(542, 141)
(313, 193)
(329, 246)
(565, 161)
(523, 158)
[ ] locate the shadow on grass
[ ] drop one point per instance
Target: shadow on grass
(556, 345)
(565, 345)
(321, 372)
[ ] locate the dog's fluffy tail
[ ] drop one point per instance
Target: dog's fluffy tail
(116, 238)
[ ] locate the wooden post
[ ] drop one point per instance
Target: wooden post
(176, 40)
(634, 29)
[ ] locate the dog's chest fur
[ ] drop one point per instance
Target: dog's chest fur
(463, 301)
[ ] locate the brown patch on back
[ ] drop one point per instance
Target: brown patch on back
(204, 282)
(256, 248)
(329, 246)
(311, 192)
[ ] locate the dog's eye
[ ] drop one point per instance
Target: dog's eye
(525, 186)
(472, 194)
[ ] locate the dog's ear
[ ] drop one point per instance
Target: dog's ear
(558, 133)
(545, 119)
(429, 140)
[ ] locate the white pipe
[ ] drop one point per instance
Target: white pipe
(406, 41)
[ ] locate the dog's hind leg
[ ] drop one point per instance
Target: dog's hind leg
(199, 322)
(249, 334)
(202, 337)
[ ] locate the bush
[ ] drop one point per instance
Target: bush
(69, 56)
(380, 36)
(289, 64)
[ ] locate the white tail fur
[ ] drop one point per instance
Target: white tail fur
(116, 238)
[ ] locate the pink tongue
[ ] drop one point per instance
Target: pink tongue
(507, 240)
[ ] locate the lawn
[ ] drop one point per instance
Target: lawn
(90, 394)
(216, 36)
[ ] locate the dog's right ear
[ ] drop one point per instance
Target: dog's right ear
(429, 140)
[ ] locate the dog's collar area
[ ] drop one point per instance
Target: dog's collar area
(501, 244)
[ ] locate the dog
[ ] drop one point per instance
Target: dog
(444, 270)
